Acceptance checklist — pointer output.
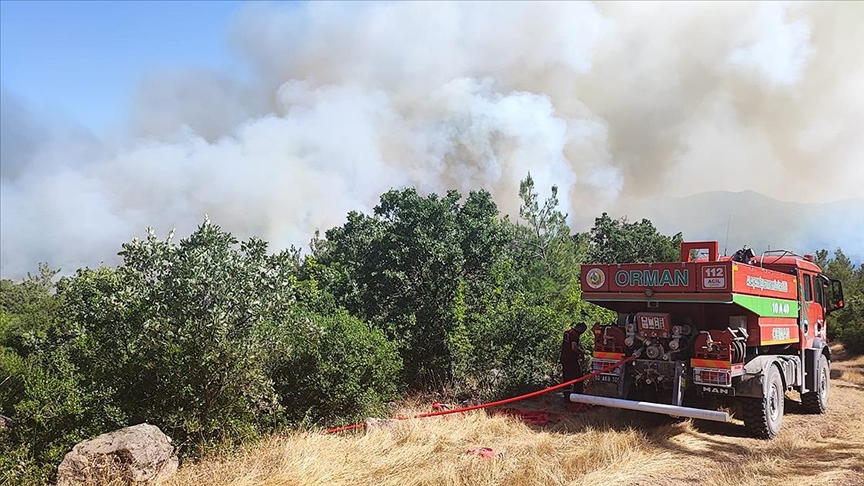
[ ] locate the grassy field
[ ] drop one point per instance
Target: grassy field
(602, 446)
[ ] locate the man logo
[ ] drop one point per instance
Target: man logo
(595, 278)
(718, 390)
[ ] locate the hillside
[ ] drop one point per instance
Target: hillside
(599, 447)
(759, 221)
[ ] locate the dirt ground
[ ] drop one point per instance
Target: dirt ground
(600, 446)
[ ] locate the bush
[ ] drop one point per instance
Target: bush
(172, 334)
(848, 325)
(11, 376)
(56, 409)
(197, 338)
(338, 368)
(505, 343)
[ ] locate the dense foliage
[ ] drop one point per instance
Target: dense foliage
(472, 301)
(615, 241)
(216, 340)
(847, 324)
(211, 339)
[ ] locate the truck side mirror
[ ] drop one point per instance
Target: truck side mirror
(835, 296)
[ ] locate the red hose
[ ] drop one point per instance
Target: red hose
(347, 427)
(499, 402)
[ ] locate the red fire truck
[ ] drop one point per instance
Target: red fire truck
(712, 333)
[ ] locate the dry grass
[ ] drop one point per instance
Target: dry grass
(849, 369)
(608, 447)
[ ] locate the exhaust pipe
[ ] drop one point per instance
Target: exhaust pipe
(695, 413)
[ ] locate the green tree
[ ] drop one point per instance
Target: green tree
(545, 236)
(193, 306)
(620, 241)
(195, 337)
(847, 324)
(402, 269)
(28, 310)
(339, 369)
(472, 301)
(509, 333)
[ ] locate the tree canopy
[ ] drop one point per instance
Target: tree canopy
(620, 241)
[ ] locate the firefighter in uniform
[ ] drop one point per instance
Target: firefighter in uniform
(572, 356)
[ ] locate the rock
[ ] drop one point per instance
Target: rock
(140, 454)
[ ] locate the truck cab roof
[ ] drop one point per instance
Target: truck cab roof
(786, 263)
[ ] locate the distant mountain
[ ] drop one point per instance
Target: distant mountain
(760, 222)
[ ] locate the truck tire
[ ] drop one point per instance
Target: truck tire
(763, 416)
(817, 400)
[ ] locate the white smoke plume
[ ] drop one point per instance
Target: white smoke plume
(615, 103)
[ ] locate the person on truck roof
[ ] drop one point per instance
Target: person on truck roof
(744, 255)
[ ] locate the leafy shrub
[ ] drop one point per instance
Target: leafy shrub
(11, 375)
(191, 337)
(56, 409)
(172, 333)
(338, 368)
(848, 325)
(400, 269)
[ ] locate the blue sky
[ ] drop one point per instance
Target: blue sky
(84, 60)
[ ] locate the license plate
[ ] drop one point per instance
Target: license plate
(607, 378)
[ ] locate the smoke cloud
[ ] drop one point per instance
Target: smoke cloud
(616, 103)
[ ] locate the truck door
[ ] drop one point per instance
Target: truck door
(812, 313)
(820, 297)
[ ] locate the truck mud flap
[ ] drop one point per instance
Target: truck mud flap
(695, 413)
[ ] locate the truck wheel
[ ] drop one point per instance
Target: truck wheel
(816, 401)
(763, 416)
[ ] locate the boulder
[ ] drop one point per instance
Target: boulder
(140, 454)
